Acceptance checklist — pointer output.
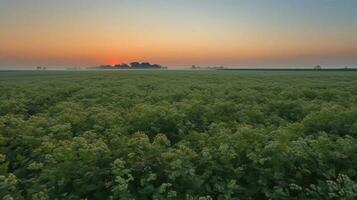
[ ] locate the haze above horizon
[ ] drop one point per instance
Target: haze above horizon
(178, 32)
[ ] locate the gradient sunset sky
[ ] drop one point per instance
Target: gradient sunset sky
(235, 33)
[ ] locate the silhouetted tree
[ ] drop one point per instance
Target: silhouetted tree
(317, 67)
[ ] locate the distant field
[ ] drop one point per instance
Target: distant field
(178, 134)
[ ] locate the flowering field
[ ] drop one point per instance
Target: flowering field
(178, 135)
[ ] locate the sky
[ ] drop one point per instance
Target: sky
(179, 33)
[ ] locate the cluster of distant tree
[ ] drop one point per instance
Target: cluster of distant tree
(198, 67)
(133, 65)
(41, 68)
(318, 67)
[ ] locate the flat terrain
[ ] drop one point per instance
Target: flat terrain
(178, 134)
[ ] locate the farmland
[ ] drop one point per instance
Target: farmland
(178, 135)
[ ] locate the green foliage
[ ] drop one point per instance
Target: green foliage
(178, 135)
